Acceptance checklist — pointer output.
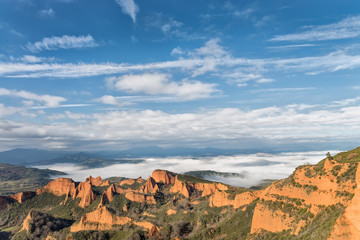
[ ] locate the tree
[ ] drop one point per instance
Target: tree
(328, 155)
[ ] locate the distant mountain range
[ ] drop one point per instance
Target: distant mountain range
(36, 157)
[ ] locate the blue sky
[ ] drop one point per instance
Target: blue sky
(113, 74)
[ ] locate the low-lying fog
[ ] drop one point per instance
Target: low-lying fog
(253, 167)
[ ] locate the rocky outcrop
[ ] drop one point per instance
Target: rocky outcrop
(108, 195)
(85, 193)
(180, 187)
(221, 199)
(347, 226)
(99, 220)
(149, 187)
(163, 176)
(146, 225)
(59, 187)
(154, 232)
(313, 187)
(170, 212)
(209, 188)
(26, 223)
(23, 196)
(141, 198)
(94, 181)
(267, 219)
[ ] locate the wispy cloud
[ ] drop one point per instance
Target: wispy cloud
(111, 100)
(160, 84)
(346, 28)
(129, 7)
(211, 59)
(170, 27)
(47, 100)
(47, 12)
(64, 42)
(283, 89)
(290, 46)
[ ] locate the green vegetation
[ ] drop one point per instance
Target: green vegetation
(191, 179)
(236, 190)
(15, 179)
(349, 174)
(349, 156)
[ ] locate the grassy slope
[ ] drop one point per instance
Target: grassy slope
(14, 179)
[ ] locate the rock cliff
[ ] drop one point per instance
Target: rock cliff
(100, 219)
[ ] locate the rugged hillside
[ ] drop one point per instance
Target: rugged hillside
(316, 202)
(15, 179)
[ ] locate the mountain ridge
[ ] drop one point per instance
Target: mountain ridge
(315, 202)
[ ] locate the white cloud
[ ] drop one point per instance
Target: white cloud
(206, 127)
(160, 84)
(177, 51)
(47, 100)
(47, 13)
(64, 42)
(253, 167)
(129, 7)
(111, 100)
(346, 28)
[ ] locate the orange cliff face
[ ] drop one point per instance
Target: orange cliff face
(313, 187)
(221, 199)
(137, 197)
(97, 181)
(347, 226)
(66, 186)
(149, 187)
(85, 193)
(100, 219)
(163, 176)
(59, 187)
(180, 187)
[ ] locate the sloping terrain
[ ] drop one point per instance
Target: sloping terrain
(15, 179)
(316, 202)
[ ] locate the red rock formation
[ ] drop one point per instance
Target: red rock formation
(26, 224)
(94, 181)
(85, 193)
(21, 197)
(163, 176)
(105, 183)
(347, 226)
(154, 231)
(137, 197)
(209, 188)
(59, 187)
(170, 212)
(273, 221)
(180, 187)
(108, 195)
(144, 224)
(99, 220)
(149, 187)
(323, 191)
(221, 199)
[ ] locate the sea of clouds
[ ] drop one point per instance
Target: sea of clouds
(252, 167)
